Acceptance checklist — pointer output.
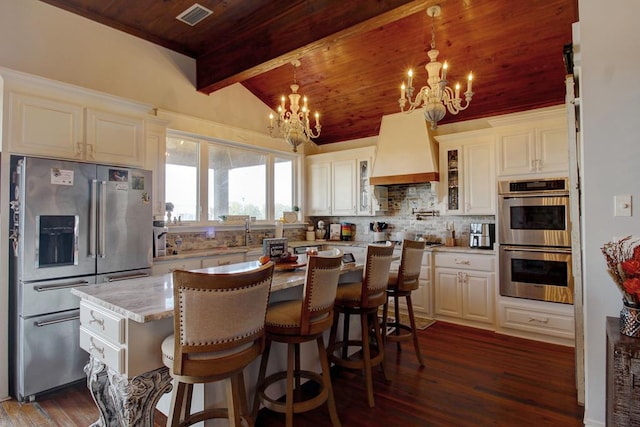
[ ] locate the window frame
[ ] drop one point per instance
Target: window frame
(202, 204)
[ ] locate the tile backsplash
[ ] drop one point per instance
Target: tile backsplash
(404, 201)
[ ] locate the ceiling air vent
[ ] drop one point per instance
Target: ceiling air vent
(194, 14)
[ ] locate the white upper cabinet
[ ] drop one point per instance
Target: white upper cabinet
(534, 144)
(467, 173)
(343, 187)
(114, 138)
(56, 120)
(53, 128)
(318, 188)
(45, 127)
(338, 183)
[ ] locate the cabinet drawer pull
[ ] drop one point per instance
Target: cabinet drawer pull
(224, 263)
(99, 350)
(462, 261)
(94, 319)
(538, 320)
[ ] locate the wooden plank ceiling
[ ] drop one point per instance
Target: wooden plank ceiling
(354, 54)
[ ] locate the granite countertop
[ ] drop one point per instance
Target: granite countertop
(225, 250)
(151, 298)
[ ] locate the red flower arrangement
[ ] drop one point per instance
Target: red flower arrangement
(623, 264)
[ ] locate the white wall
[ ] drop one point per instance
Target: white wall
(611, 151)
(47, 41)
(42, 40)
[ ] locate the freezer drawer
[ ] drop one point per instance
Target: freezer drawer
(49, 353)
(50, 296)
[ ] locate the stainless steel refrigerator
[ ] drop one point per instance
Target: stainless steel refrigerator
(72, 224)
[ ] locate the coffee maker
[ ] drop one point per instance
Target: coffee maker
(482, 235)
(159, 238)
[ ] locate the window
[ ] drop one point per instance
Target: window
(181, 182)
(238, 180)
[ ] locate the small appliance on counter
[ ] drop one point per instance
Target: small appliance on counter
(379, 231)
(482, 235)
(346, 231)
(159, 238)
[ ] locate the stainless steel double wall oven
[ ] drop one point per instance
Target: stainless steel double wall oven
(535, 240)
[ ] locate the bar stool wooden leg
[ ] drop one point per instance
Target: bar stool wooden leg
(412, 321)
(261, 375)
(380, 346)
(366, 356)
(289, 394)
(396, 308)
(345, 335)
(326, 376)
(233, 407)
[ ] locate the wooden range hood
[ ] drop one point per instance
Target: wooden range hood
(406, 153)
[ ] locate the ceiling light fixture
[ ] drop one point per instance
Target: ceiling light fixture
(294, 124)
(437, 97)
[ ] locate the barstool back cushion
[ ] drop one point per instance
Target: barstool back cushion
(218, 316)
(321, 282)
(376, 275)
(410, 264)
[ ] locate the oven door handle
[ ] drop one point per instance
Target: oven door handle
(537, 249)
(530, 195)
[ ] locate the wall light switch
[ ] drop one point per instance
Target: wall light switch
(622, 205)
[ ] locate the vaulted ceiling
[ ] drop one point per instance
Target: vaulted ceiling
(355, 54)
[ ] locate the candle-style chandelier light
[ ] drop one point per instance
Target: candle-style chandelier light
(436, 96)
(293, 123)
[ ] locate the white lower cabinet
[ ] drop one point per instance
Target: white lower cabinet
(422, 297)
(543, 321)
(218, 260)
(163, 267)
(464, 288)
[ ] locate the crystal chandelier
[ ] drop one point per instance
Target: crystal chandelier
(294, 124)
(437, 97)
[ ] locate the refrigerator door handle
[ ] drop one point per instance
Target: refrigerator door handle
(93, 218)
(42, 323)
(102, 251)
(131, 276)
(43, 288)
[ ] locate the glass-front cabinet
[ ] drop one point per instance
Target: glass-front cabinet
(453, 186)
(364, 189)
(468, 172)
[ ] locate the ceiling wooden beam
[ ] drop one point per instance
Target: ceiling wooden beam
(244, 59)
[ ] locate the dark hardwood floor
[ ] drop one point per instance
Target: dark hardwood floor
(471, 378)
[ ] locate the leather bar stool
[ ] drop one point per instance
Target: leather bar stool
(295, 322)
(363, 299)
(218, 330)
(401, 284)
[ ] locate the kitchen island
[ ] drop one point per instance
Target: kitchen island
(122, 326)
